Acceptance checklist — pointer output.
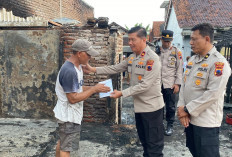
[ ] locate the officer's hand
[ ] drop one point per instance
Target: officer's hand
(185, 121)
(181, 113)
(88, 69)
(101, 88)
(116, 94)
(176, 88)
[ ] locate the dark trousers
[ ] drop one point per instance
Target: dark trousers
(151, 132)
(169, 99)
(202, 141)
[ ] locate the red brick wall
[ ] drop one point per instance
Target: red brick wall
(109, 46)
(49, 9)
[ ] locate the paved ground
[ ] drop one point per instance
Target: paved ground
(32, 138)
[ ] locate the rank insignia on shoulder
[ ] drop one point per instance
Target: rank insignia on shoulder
(207, 56)
(218, 68)
(143, 54)
(186, 71)
(198, 82)
(190, 63)
(204, 65)
(180, 55)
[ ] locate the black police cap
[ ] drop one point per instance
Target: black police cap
(167, 35)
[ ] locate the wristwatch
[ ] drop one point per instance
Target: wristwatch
(186, 110)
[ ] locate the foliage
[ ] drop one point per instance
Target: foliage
(147, 28)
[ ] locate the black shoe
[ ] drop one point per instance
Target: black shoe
(169, 131)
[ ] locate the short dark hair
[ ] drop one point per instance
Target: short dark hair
(205, 29)
(141, 32)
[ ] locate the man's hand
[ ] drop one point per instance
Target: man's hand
(176, 88)
(116, 94)
(181, 113)
(88, 69)
(101, 88)
(185, 121)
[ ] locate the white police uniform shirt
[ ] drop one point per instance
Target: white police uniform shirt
(203, 88)
(69, 80)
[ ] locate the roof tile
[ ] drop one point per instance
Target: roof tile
(192, 12)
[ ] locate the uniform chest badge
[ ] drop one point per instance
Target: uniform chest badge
(198, 82)
(140, 63)
(180, 55)
(204, 65)
(190, 63)
(149, 65)
(143, 54)
(199, 74)
(218, 68)
(173, 53)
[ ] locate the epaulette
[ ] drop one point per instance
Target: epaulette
(217, 54)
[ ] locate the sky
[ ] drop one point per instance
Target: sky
(129, 12)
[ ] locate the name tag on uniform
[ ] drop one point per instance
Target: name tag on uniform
(140, 66)
(203, 69)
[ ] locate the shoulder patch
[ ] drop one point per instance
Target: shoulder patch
(149, 65)
(150, 62)
(180, 55)
(218, 68)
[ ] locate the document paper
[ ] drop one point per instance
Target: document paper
(109, 84)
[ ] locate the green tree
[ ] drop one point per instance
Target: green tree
(141, 25)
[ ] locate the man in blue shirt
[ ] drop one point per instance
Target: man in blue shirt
(71, 93)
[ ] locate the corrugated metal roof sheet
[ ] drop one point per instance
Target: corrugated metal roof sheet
(7, 19)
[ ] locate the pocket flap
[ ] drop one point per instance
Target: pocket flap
(139, 71)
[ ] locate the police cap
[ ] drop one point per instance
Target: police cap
(167, 35)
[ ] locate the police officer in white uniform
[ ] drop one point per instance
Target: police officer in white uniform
(201, 99)
(144, 68)
(171, 75)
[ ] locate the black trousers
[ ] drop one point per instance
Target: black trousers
(202, 141)
(169, 99)
(151, 132)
